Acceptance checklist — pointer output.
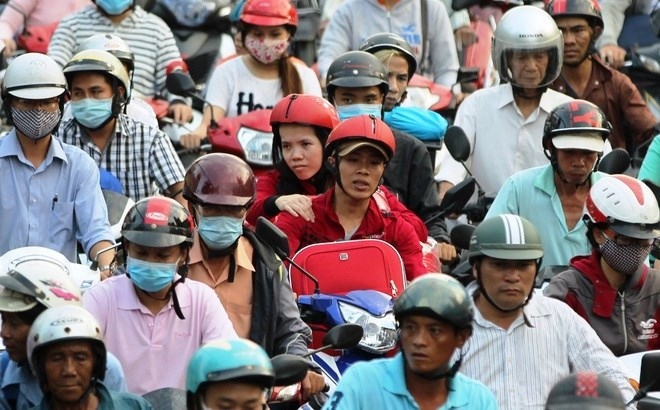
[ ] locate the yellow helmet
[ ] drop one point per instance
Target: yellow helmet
(97, 60)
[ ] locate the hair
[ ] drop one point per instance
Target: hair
(29, 316)
(386, 54)
(287, 72)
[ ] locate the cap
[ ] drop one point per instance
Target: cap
(585, 391)
(349, 147)
(588, 141)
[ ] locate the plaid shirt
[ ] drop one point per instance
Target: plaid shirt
(141, 157)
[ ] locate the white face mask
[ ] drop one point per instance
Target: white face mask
(266, 51)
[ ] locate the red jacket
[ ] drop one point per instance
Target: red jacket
(390, 227)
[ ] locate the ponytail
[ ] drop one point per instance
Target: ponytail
(289, 76)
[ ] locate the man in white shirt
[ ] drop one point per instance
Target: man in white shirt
(504, 124)
(528, 341)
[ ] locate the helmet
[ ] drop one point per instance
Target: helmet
(359, 131)
(222, 360)
(305, 109)
(439, 296)
(508, 237)
(34, 275)
(586, 391)
(270, 13)
(33, 76)
(220, 179)
(60, 324)
(356, 69)
(111, 43)
(567, 124)
(97, 60)
(589, 9)
(158, 222)
(527, 28)
(627, 205)
(391, 41)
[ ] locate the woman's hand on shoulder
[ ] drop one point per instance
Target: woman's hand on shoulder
(296, 205)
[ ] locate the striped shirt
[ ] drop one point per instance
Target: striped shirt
(141, 157)
(522, 364)
(149, 38)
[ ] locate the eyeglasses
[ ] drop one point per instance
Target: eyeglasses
(623, 240)
(50, 104)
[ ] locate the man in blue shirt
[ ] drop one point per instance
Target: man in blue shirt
(50, 192)
(435, 318)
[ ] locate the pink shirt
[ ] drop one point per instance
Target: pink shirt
(154, 350)
(38, 12)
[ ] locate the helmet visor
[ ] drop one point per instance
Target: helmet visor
(530, 67)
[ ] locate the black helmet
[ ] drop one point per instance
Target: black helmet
(574, 118)
(391, 41)
(356, 69)
(438, 296)
(158, 222)
(589, 9)
(507, 237)
(585, 391)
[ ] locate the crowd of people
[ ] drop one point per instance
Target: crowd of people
(193, 299)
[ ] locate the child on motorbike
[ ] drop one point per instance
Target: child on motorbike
(358, 151)
(258, 79)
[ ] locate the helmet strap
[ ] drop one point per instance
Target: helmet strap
(482, 292)
(439, 373)
(560, 174)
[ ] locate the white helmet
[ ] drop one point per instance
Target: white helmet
(33, 76)
(528, 28)
(111, 43)
(60, 324)
(626, 205)
(35, 275)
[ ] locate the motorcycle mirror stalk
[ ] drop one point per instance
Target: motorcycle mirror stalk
(95, 262)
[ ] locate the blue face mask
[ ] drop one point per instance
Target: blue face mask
(349, 111)
(90, 112)
(219, 232)
(114, 7)
(151, 276)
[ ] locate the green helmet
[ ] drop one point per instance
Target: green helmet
(438, 296)
(506, 237)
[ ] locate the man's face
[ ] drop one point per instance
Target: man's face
(230, 395)
(90, 85)
(507, 282)
(528, 67)
(577, 39)
(14, 333)
(397, 76)
(68, 368)
(576, 164)
(429, 343)
(360, 95)
(169, 254)
(360, 172)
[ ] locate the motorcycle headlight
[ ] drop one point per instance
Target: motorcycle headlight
(256, 145)
(379, 332)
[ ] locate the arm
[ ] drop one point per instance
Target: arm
(291, 334)
(442, 46)
(13, 17)
(293, 228)
(264, 201)
(336, 39)
(403, 237)
(613, 12)
(114, 375)
(407, 214)
(638, 120)
(63, 43)
(651, 165)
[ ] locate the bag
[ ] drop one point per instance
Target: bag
(341, 267)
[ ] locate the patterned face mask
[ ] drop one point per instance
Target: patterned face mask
(35, 124)
(265, 51)
(624, 259)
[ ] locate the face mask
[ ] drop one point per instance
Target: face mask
(35, 124)
(349, 111)
(219, 232)
(151, 276)
(265, 51)
(92, 113)
(624, 259)
(114, 7)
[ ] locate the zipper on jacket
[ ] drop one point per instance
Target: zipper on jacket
(623, 321)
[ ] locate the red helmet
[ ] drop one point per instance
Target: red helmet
(304, 109)
(220, 179)
(361, 130)
(157, 222)
(270, 13)
(573, 119)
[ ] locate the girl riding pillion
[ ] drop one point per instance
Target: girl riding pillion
(258, 79)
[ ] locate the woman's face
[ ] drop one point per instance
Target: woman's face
(301, 149)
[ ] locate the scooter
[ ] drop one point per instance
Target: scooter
(644, 367)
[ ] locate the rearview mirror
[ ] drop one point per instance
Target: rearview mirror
(273, 236)
(457, 143)
(180, 83)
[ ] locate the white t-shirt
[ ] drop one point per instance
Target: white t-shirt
(236, 90)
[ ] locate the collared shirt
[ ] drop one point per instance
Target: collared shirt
(109, 400)
(155, 349)
(381, 384)
(29, 394)
(521, 364)
(236, 297)
(149, 38)
(532, 194)
(141, 157)
(503, 142)
(55, 205)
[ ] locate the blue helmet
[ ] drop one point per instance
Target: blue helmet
(223, 360)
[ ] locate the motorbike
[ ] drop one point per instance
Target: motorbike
(248, 136)
(643, 367)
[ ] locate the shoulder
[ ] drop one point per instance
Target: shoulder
(476, 390)
(146, 19)
(108, 287)
(78, 157)
(123, 400)
(84, 14)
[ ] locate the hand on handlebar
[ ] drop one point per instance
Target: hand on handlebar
(192, 140)
(612, 55)
(10, 47)
(180, 112)
(446, 252)
(312, 384)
